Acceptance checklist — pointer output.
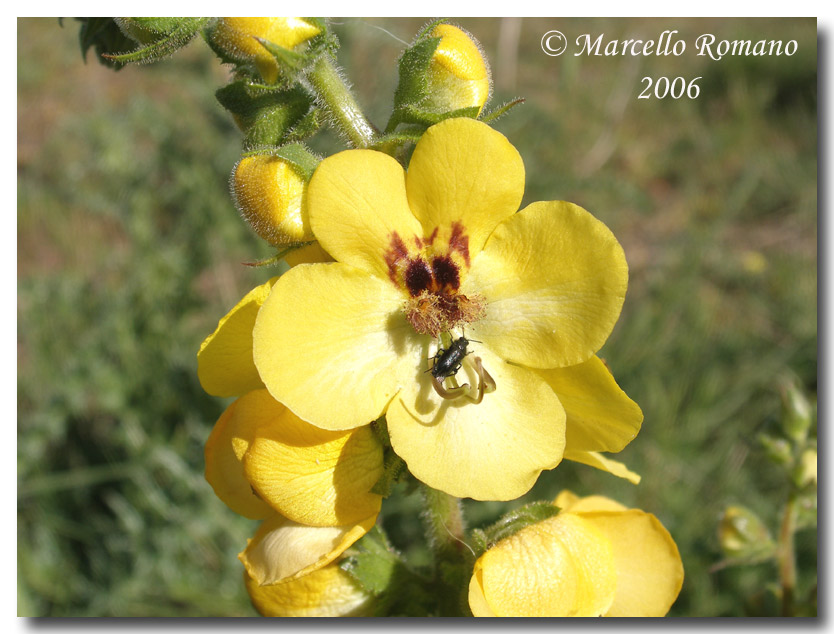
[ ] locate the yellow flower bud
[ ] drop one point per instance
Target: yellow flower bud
(458, 76)
(741, 533)
(329, 591)
(271, 197)
(236, 37)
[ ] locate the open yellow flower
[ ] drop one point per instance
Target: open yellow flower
(595, 558)
(425, 257)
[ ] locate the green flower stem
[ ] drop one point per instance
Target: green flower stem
(445, 525)
(334, 94)
(787, 558)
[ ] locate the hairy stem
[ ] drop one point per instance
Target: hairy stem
(341, 105)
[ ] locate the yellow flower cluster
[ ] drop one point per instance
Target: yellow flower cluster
(472, 327)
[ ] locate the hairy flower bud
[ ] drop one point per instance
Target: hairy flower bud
(236, 38)
(458, 75)
(271, 197)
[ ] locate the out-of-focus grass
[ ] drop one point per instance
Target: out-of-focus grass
(129, 251)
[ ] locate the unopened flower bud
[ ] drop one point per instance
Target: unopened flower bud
(741, 533)
(236, 38)
(778, 450)
(797, 413)
(806, 470)
(271, 197)
(458, 75)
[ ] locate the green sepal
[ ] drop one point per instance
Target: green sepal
(268, 116)
(295, 63)
(300, 158)
(500, 111)
(416, 115)
(379, 570)
(393, 469)
(180, 33)
(105, 37)
(519, 518)
(413, 65)
(276, 259)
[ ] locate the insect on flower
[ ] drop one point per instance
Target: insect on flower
(446, 364)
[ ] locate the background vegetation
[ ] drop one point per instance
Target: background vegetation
(129, 251)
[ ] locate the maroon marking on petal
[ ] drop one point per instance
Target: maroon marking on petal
(431, 238)
(459, 241)
(446, 274)
(396, 252)
(417, 277)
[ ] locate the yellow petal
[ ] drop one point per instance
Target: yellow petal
(283, 550)
(308, 255)
(493, 450)
(601, 417)
(568, 501)
(224, 362)
(225, 447)
(463, 171)
(562, 566)
(314, 476)
(598, 461)
(358, 209)
(648, 564)
(326, 592)
(477, 601)
(554, 278)
(332, 344)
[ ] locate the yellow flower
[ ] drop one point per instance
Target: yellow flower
(270, 195)
(458, 75)
(236, 37)
(425, 257)
(595, 558)
(326, 592)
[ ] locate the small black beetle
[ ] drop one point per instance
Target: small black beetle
(448, 361)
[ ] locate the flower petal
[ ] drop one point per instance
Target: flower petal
(554, 278)
(598, 461)
(283, 550)
(648, 564)
(225, 447)
(568, 501)
(314, 476)
(493, 450)
(327, 592)
(357, 205)
(562, 566)
(332, 342)
(601, 417)
(464, 171)
(224, 362)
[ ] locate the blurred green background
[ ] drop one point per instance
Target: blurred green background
(129, 250)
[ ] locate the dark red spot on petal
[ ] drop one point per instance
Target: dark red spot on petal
(459, 241)
(394, 254)
(446, 274)
(417, 277)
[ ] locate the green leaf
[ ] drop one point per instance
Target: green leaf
(520, 518)
(179, 36)
(105, 37)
